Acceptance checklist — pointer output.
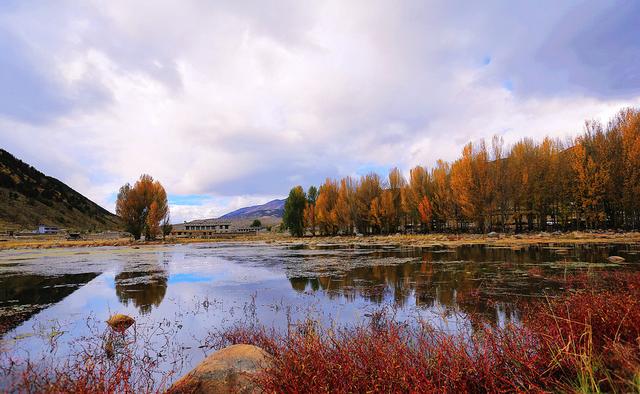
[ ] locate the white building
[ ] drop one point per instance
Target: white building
(42, 229)
(206, 228)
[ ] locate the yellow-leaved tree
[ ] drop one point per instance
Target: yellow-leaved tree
(143, 207)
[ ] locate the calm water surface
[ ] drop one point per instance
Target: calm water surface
(191, 289)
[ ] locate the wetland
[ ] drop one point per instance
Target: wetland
(178, 294)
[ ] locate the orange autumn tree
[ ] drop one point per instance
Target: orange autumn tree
(325, 204)
(592, 175)
(397, 184)
(472, 185)
(388, 213)
(368, 188)
(143, 207)
(375, 215)
(416, 190)
(628, 123)
(590, 181)
(426, 212)
(343, 210)
(442, 203)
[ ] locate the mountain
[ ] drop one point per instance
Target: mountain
(29, 198)
(273, 209)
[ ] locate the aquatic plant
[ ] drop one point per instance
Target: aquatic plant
(97, 363)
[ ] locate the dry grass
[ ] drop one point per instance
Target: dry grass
(426, 240)
(417, 240)
(57, 242)
(105, 361)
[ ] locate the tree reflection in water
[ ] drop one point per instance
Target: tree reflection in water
(472, 279)
(144, 288)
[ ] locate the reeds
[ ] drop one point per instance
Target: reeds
(104, 362)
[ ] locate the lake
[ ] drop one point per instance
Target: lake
(179, 293)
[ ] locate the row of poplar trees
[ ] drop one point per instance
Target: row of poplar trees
(592, 181)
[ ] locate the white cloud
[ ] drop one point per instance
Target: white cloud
(239, 100)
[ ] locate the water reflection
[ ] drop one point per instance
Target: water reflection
(336, 276)
(21, 296)
(144, 288)
(202, 287)
(470, 279)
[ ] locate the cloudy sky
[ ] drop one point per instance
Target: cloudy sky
(231, 103)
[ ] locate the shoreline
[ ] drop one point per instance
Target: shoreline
(401, 240)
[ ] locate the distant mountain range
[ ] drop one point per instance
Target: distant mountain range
(273, 209)
(29, 198)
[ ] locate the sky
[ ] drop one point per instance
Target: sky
(232, 103)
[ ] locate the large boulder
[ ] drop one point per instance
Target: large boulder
(226, 371)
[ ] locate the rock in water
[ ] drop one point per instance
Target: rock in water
(493, 234)
(615, 259)
(120, 322)
(225, 371)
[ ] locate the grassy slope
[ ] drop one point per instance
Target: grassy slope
(28, 198)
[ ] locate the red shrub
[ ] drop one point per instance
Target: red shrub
(592, 330)
(584, 339)
(393, 357)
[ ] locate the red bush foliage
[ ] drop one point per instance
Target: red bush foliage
(388, 356)
(593, 330)
(588, 338)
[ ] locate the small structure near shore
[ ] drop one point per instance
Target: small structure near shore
(44, 229)
(74, 237)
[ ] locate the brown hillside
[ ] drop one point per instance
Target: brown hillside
(28, 198)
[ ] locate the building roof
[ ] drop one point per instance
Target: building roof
(201, 222)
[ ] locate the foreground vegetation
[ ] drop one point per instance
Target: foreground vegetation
(586, 339)
(590, 182)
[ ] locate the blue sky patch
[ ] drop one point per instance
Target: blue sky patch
(188, 199)
(194, 278)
